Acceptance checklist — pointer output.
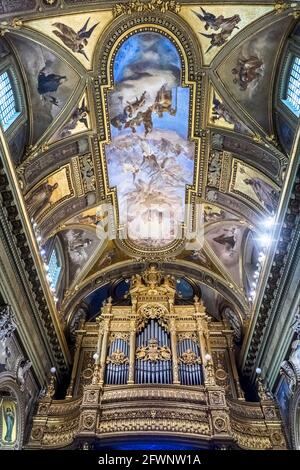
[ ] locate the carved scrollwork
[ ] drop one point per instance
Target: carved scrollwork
(117, 357)
(139, 7)
(153, 352)
(150, 312)
(189, 357)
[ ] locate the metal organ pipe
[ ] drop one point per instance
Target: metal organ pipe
(117, 373)
(190, 374)
(148, 371)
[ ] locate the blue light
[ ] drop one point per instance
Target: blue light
(153, 445)
(54, 269)
(8, 112)
(293, 89)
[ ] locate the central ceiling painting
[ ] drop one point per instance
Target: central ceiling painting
(150, 158)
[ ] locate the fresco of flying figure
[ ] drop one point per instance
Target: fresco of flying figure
(220, 111)
(132, 116)
(80, 114)
(225, 26)
(75, 40)
(248, 72)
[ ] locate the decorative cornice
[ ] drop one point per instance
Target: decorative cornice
(20, 243)
(280, 269)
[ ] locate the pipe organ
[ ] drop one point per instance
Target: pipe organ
(155, 368)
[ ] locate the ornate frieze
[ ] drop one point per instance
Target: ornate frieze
(139, 6)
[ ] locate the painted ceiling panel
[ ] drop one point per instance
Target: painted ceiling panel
(254, 187)
(226, 242)
(220, 115)
(215, 25)
(247, 74)
(81, 247)
(51, 83)
(78, 34)
(77, 122)
(150, 159)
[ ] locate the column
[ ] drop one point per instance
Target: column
(106, 322)
(78, 343)
(132, 351)
(203, 335)
(239, 391)
(173, 337)
(96, 375)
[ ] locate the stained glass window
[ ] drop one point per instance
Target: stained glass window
(54, 269)
(293, 89)
(8, 111)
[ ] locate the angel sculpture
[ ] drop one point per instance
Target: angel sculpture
(76, 41)
(79, 114)
(22, 373)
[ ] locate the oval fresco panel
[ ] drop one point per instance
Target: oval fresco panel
(150, 158)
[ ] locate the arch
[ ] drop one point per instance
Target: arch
(180, 268)
(8, 384)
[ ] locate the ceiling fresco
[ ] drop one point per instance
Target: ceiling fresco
(150, 159)
(78, 34)
(139, 120)
(216, 25)
(221, 116)
(246, 73)
(50, 81)
(80, 247)
(254, 186)
(79, 121)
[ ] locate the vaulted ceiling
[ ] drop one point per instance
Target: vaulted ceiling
(135, 113)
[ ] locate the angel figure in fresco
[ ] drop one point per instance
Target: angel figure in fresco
(218, 22)
(132, 107)
(228, 239)
(80, 114)
(22, 373)
(74, 40)
(220, 111)
(131, 168)
(247, 71)
(48, 84)
(9, 417)
(224, 26)
(77, 244)
(40, 197)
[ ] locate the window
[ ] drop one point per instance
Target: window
(54, 269)
(8, 111)
(293, 89)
